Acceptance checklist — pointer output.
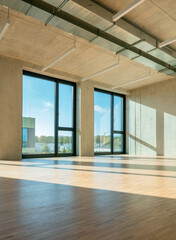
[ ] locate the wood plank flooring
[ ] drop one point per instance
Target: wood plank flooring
(105, 197)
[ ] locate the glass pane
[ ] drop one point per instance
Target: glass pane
(65, 142)
(65, 105)
(38, 116)
(102, 122)
(118, 113)
(118, 143)
(24, 132)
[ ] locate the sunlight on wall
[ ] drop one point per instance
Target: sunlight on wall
(147, 151)
(131, 117)
(169, 134)
(142, 129)
(132, 145)
(148, 125)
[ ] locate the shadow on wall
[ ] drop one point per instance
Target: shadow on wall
(151, 120)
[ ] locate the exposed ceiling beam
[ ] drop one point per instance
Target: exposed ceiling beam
(135, 81)
(69, 51)
(96, 31)
(101, 72)
(127, 9)
(6, 26)
(167, 42)
(123, 24)
(108, 87)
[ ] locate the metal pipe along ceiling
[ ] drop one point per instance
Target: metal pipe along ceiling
(94, 30)
(144, 58)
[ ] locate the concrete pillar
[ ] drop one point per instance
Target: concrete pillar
(85, 118)
(10, 109)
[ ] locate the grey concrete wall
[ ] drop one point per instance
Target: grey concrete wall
(10, 108)
(151, 120)
(85, 118)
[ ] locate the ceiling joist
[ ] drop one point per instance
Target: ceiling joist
(127, 9)
(123, 24)
(167, 42)
(129, 83)
(102, 71)
(96, 31)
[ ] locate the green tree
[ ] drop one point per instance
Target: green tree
(107, 141)
(43, 139)
(45, 149)
(68, 150)
(46, 139)
(50, 139)
(66, 139)
(98, 139)
(61, 140)
(63, 150)
(36, 139)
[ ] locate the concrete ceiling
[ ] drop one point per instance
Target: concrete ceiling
(157, 17)
(29, 40)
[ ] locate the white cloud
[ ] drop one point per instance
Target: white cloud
(99, 109)
(48, 104)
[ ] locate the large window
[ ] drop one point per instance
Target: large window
(48, 116)
(118, 123)
(102, 123)
(66, 119)
(109, 127)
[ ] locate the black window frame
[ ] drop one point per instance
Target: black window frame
(112, 131)
(57, 81)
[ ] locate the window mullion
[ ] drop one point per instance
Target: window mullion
(56, 117)
(112, 123)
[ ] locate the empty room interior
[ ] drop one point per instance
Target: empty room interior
(87, 120)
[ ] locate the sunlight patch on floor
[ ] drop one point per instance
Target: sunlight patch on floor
(159, 183)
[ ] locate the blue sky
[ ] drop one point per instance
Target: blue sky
(102, 103)
(65, 105)
(38, 103)
(102, 113)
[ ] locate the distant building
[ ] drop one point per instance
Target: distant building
(28, 134)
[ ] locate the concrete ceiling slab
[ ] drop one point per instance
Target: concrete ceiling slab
(155, 17)
(32, 42)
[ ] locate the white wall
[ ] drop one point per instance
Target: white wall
(151, 119)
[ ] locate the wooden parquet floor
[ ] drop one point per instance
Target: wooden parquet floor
(88, 198)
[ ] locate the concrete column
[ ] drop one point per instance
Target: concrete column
(85, 118)
(10, 109)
